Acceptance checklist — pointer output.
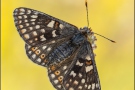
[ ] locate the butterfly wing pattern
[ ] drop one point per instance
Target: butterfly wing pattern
(61, 47)
(82, 74)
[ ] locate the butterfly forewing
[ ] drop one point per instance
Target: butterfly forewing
(82, 74)
(38, 28)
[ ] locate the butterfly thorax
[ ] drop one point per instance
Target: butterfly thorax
(87, 32)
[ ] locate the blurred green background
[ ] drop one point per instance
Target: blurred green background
(111, 18)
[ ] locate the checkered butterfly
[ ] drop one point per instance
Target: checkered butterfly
(61, 47)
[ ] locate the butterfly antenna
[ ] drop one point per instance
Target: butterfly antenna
(87, 12)
(105, 38)
(88, 23)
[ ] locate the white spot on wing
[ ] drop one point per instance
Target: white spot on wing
(59, 86)
(70, 80)
(33, 23)
(55, 81)
(53, 33)
(32, 19)
(73, 73)
(25, 20)
(85, 85)
(35, 12)
(30, 41)
(61, 26)
(43, 30)
(75, 82)
(31, 28)
(53, 41)
(36, 39)
(88, 57)
(80, 75)
(88, 68)
(30, 52)
(79, 64)
(48, 49)
(20, 17)
(51, 24)
(65, 72)
(64, 67)
(26, 36)
(21, 13)
(93, 86)
(21, 10)
(43, 63)
(28, 11)
(42, 38)
(39, 60)
(89, 86)
(24, 16)
(34, 33)
(97, 85)
(44, 47)
(67, 85)
(34, 56)
(29, 47)
(80, 87)
(19, 21)
(52, 76)
(27, 24)
(37, 26)
(23, 30)
(71, 88)
(20, 26)
(34, 16)
(83, 80)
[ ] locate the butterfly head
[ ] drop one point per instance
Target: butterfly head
(87, 32)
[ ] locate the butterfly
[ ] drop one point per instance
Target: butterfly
(65, 50)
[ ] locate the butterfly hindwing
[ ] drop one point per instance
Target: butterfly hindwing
(50, 53)
(57, 72)
(38, 54)
(82, 74)
(38, 28)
